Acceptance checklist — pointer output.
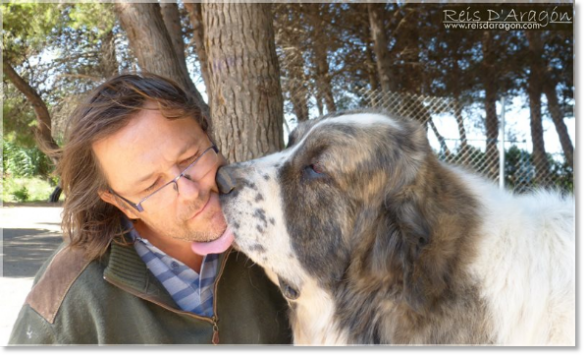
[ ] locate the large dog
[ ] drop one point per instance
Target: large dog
(373, 240)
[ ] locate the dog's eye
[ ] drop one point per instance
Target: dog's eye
(315, 170)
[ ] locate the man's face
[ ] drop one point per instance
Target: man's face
(152, 150)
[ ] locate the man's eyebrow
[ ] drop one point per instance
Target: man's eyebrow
(148, 176)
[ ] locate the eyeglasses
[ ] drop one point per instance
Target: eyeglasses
(168, 192)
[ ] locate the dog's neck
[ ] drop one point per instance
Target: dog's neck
(315, 318)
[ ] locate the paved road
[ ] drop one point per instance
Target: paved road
(30, 235)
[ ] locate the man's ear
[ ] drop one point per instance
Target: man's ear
(108, 197)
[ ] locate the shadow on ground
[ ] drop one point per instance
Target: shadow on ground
(25, 250)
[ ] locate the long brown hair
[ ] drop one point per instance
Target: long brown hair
(88, 221)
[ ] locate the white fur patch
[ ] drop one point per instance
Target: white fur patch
(526, 266)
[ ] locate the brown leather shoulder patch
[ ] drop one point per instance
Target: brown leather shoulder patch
(47, 295)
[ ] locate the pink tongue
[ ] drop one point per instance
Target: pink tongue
(219, 245)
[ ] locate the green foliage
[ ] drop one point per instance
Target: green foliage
(520, 173)
(21, 161)
(18, 117)
(21, 194)
(95, 17)
(26, 189)
(473, 156)
(33, 24)
(49, 45)
(519, 170)
(27, 27)
(562, 174)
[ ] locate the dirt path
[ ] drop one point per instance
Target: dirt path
(29, 235)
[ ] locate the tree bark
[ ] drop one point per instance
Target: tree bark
(411, 74)
(296, 83)
(440, 139)
(107, 62)
(380, 41)
(534, 89)
(195, 18)
(246, 93)
(43, 131)
(170, 13)
(320, 52)
(152, 45)
(457, 73)
(464, 149)
(288, 38)
(490, 98)
(371, 66)
(558, 120)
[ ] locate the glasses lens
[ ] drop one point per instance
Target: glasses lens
(202, 166)
(194, 172)
(160, 198)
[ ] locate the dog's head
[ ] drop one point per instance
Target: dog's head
(345, 187)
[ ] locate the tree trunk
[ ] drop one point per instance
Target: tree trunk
(108, 64)
(558, 120)
(371, 67)
(43, 135)
(464, 154)
(195, 18)
(377, 27)
(319, 103)
(464, 149)
(292, 62)
(534, 90)
(151, 44)
(412, 75)
(320, 53)
(440, 139)
(296, 83)
(170, 13)
(490, 98)
(247, 101)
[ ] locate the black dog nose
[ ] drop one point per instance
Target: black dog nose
(225, 179)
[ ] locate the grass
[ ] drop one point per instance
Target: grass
(25, 189)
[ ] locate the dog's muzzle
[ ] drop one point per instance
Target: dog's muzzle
(225, 179)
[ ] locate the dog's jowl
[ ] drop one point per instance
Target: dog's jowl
(373, 240)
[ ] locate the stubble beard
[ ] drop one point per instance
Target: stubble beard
(215, 225)
(207, 228)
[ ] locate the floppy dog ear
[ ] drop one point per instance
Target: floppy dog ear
(402, 248)
(410, 208)
(421, 284)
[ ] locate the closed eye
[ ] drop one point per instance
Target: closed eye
(152, 187)
(189, 160)
(182, 165)
(314, 171)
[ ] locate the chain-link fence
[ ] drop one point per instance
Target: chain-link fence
(462, 134)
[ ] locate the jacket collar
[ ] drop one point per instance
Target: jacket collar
(127, 270)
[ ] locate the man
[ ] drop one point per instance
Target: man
(138, 171)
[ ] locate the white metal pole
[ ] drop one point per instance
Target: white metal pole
(502, 147)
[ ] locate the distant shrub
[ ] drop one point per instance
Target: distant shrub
(21, 194)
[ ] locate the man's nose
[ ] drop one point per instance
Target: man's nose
(188, 188)
(226, 179)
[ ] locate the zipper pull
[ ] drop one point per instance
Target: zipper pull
(216, 334)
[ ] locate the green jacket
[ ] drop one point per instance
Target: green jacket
(116, 300)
